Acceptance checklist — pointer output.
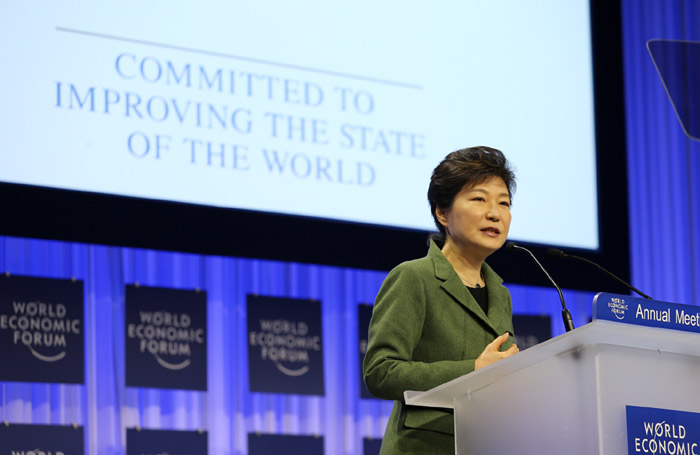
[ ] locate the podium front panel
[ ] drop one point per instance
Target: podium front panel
(575, 402)
(644, 378)
(540, 410)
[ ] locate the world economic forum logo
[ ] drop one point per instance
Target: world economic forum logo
(41, 327)
(618, 307)
(167, 336)
(662, 431)
(286, 344)
(37, 452)
(165, 442)
(27, 439)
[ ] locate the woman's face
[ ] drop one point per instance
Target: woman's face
(479, 218)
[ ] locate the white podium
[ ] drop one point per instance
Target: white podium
(569, 394)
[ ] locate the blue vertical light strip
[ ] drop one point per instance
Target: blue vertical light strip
(663, 164)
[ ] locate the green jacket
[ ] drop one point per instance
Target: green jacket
(427, 329)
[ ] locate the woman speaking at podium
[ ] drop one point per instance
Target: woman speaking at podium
(447, 314)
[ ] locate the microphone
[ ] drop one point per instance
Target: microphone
(565, 314)
(554, 253)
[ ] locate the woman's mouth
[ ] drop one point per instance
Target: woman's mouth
(491, 231)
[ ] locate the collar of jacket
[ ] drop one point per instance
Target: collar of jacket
(452, 284)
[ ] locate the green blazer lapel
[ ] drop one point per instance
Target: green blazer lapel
(452, 284)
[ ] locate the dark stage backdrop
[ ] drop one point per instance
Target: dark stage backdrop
(228, 411)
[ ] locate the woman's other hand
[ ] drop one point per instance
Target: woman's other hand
(492, 354)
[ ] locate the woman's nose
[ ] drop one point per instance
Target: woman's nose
(493, 214)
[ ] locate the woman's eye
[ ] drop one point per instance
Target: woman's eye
(504, 203)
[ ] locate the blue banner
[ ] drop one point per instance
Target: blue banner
(166, 338)
(644, 312)
(662, 431)
(364, 314)
(41, 330)
(142, 442)
(531, 330)
(279, 444)
(20, 439)
(285, 345)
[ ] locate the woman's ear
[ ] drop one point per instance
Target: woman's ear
(441, 215)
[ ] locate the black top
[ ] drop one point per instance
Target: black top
(481, 296)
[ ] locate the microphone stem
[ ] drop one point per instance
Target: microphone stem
(561, 296)
(611, 274)
(565, 314)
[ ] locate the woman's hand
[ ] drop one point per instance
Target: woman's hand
(491, 354)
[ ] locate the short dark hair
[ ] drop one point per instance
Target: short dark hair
(465, 168)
